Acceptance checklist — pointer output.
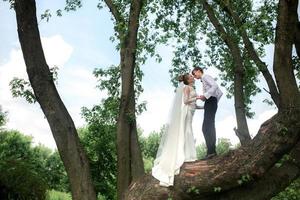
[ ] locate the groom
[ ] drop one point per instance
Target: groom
(211, 96)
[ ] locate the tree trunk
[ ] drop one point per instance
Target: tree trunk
(242, 130)
(238, 173)
(130, 162)
(285, 30)
(61, 123)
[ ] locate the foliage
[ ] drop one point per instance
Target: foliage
(98, 139)
(27, 171)
(187, 23)
(3, 117)
(56, 195)
(292, 192)
(222, 147)
(22, 88)
(296, 63)
(20, 177)
(19, 180)
(149, 146)
(55, 173)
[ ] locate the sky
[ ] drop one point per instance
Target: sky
(78, 43)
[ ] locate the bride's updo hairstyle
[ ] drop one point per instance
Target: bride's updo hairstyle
(184, 78)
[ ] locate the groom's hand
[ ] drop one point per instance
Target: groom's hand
(202, 97)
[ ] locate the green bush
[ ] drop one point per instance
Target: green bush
(19, 180)
(292, 192)
(56, 195)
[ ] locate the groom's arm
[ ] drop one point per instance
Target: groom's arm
(213, 86)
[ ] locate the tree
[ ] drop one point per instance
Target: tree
(2, 117)
(130, 163)
(21, 174)
(99, 140)
(189, 22)
(247, 171)
(61, 123)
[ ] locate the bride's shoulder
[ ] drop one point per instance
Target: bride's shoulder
(186, 88)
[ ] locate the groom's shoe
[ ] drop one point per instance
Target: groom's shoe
(209, 156)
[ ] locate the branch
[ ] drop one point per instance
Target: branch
(253, 54)
(273, 182)
(241, 167)
(297, 39)
(133, 24)
(114, 10)
(214, 20)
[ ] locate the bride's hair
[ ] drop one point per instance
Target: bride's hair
(184, 78)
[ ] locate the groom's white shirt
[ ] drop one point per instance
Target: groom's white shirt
(210, 87)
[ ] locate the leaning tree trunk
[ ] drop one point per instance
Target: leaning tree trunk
(242, 130)
(130, 161)
(229, 175)
(250, 171)
(61, 123)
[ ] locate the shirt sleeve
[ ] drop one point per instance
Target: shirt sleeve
(186, 94)
(213, 86)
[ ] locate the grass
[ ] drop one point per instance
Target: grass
(56, 195)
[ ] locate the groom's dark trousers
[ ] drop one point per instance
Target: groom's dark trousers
(208, 126)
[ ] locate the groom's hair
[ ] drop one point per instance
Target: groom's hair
(196, 68)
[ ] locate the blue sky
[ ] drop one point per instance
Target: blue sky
(77, 43)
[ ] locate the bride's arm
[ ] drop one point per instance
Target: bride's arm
(186, 93)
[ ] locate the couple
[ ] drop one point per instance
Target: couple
(177, 144)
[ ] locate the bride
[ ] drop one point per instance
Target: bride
(177, 144)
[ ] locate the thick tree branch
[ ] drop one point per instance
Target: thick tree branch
(114, 10)
(297, 39)
(273, 182)
(253, 54)
(218, 26)
(244, 167)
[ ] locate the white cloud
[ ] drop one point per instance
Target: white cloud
(158, 106)
(57, 51)
(76, 86)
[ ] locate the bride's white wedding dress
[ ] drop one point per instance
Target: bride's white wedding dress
(177, 144)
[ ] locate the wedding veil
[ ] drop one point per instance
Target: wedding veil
(170, 154)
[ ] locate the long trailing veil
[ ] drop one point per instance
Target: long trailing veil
(170, 154)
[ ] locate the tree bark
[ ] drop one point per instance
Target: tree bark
(273, 182)
(242, 130)
(61, 123)
(242, 171)
(297, 39)
(285, 30)
(130, 162)
(253, 54)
